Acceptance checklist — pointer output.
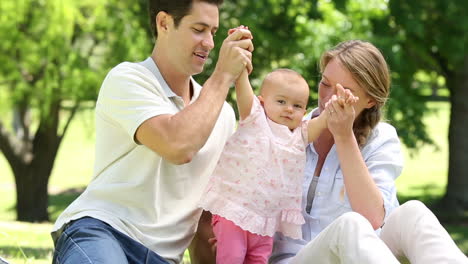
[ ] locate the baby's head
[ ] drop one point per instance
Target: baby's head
(284, 94)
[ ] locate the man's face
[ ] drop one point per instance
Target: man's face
(191, 42)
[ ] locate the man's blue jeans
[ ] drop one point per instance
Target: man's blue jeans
(88, 240)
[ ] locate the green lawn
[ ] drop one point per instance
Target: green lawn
(424, 177)
(425, 172)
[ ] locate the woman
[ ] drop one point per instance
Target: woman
(349, 187)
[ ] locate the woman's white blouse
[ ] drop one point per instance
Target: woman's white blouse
(383, 157)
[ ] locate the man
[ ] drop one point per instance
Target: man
(158, 138)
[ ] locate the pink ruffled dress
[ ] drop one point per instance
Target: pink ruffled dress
(257, 181)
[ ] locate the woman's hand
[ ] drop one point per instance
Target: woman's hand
(341, 113)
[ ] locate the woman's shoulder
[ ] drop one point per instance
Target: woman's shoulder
(383, 133)
(385, 129)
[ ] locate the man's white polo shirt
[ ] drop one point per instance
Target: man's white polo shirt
(134, 189)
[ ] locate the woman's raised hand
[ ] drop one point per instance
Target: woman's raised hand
(341, 112)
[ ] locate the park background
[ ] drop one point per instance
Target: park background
(54, 55)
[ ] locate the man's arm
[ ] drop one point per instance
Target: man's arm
(177, 138)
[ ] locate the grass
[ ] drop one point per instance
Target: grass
(425, 172)
(424, 178)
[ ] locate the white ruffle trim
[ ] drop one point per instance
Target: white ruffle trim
(287, 221)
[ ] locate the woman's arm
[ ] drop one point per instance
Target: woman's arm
(364, 195)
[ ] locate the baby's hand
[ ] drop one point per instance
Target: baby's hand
(232, 30)
(345, 96)
(350, 98)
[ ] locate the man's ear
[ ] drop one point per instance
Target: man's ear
(162, 22)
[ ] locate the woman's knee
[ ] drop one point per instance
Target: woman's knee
(414, 207)
(352, 218)
(353, 221)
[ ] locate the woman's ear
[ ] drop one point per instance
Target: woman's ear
(370, 103)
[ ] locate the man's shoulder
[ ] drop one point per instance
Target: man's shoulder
(131, 72)
(128, 68)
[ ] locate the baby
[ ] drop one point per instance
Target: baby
(256, 188)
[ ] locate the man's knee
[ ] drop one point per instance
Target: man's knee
(200, 250)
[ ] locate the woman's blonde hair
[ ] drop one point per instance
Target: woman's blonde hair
(369, 69)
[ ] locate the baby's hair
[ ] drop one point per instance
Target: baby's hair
(285, 73)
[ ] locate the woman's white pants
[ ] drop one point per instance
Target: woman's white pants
(410, 231)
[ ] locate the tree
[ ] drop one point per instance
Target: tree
(294, 33)
(54, 56)
(430, 37)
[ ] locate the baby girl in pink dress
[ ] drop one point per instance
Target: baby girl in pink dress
(255, 189)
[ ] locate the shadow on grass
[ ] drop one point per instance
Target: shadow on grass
(26, 252)
(59, 201)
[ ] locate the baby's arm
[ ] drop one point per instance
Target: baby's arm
(244, 91)
(316, 126)
(244, 95)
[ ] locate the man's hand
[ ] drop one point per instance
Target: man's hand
(213, 242)
(235, 54)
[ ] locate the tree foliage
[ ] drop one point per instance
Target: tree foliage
(431, 39)
(294, 34)
(54, 56)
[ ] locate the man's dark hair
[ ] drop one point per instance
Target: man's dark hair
(176, 8)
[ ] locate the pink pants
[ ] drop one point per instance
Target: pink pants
(236, 246)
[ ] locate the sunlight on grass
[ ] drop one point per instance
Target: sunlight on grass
(425, 173)
(25, 242)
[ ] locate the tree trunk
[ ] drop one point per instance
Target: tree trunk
(456, 196)
(32, 178)
(31, 159)
(31, 195)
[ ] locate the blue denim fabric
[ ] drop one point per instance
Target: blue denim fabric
(88, 240)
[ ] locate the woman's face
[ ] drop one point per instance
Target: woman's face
(335, 73)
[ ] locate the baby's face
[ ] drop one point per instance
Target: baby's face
(285, 102)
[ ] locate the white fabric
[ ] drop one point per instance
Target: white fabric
(414, 232)
(335, 234)
(134, 189)
(348, 240)
(411, 231)
(257, 182)
(382, 155)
